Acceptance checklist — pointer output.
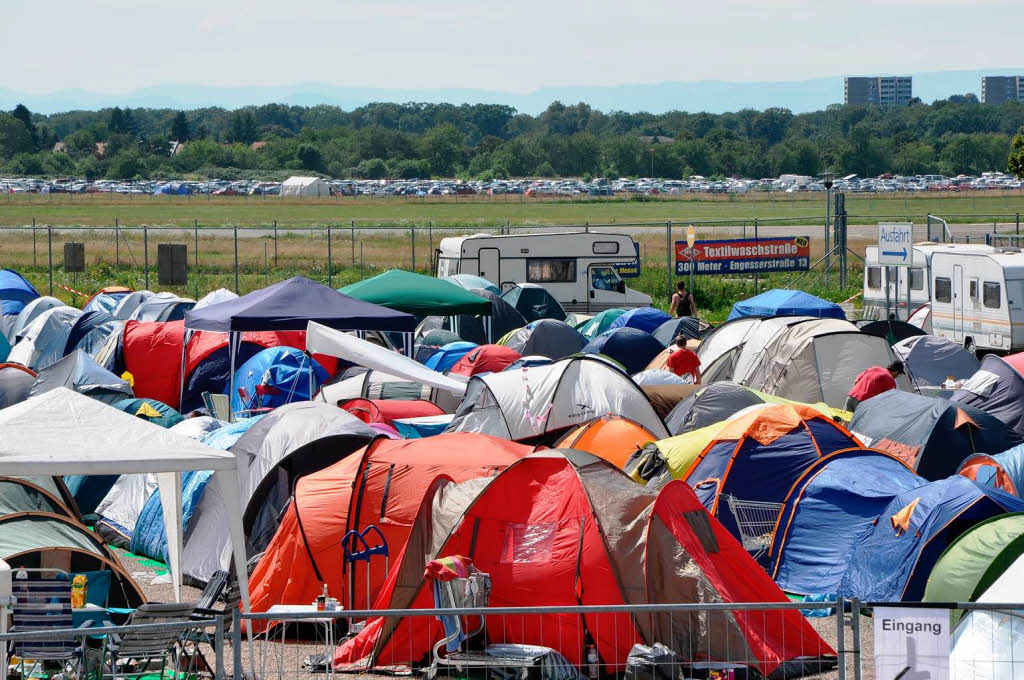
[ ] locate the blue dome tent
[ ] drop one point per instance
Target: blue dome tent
(782, 302)
(646, 319)
(274, 377)
(632, 348)
(448, 355)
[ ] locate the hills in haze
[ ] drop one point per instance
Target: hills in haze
(707, 95)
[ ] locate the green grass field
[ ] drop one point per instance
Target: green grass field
(104, 209)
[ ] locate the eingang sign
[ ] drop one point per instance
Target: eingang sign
(744, 255)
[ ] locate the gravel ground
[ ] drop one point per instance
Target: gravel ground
(274, 661)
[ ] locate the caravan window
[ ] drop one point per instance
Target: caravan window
(972, 289)
(917, 279)
(550, 270)
(606, 248)
(943, 289)
(992, 294)
(874, 277)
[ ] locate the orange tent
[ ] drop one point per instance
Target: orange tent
(613, 438)
(382, 485)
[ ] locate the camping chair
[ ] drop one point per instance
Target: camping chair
(132, 653)
(192, 658)
(42, 602)
(473, 591)
(756, 522)
(219, 406)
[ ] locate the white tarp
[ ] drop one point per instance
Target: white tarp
(62, 432)
(323, 340)
(305, 186)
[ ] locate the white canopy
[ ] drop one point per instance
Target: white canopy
(323, 340)
(62, 432)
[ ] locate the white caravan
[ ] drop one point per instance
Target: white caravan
(886, 288)
(579, 269)
(978, 299)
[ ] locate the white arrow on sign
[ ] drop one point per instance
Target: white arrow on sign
(895, 243)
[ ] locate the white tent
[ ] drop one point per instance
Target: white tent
(28, 314)
(42, 342)
(989, 644)
(305, 186)
(62, 432)
(524, 404)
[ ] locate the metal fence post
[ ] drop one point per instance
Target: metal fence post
(117, 244)
(236, 645)
(145, 252)
(275, 243)
(237, 291)
(352, 234)
(757, 283)
(1018, 223)
(841, 638)
(49, 255)
(33, 240)
(430, 242)
(330, 261)
(668, 255)
(412, 240)
(855, 626)
(195, 230)
(218, 648)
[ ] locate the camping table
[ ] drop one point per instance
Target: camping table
(327, 623)
(98, 616)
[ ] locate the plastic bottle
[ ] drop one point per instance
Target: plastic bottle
(79, 591)
(593, 662)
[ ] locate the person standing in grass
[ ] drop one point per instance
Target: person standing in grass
(683, 303)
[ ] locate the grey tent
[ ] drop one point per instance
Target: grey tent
(42, 342)
(892, 330)
(546, 338)
(432, 340)
(291, 441)
(33, 540)
(689, 326)
(36, 494)
(362, 382)
(720, 348)
(91, 331)
(535, 405)
(504, 318)
(534, 302)
(130, 302)
(997, 388)
(709, 405)
(79, 372)
(28, 314)
(930, 360)
(163, 307)
(16, 382)
(931, 435)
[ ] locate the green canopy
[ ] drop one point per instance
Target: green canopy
(591, 328)
(976, 559)
(417, 294)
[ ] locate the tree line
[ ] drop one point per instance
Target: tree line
(489, 141)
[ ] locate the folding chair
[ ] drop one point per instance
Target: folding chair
(191, 657)
(42, 602)
(471, 592)
(219, 406)
(132, 653)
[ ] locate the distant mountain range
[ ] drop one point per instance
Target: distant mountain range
(706, 95)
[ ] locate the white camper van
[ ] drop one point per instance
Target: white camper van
(579, 269)
(886, 288)
(978, 299)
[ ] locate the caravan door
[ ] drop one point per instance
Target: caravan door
(958, 303)
(605, 290)
(490, 265)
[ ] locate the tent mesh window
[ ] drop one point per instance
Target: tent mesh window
(701, 525)
(527, 543)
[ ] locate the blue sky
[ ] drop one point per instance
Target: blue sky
(121, 45)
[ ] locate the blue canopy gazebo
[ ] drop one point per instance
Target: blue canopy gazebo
(782, 302)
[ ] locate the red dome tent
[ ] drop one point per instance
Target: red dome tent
(380, 485)
(565, 528)
(387, 410)
(485, 359)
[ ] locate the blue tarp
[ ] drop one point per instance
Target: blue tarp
(632, 348)
(282, 374)
(831, 505)
(225, 437)
(894, 557)
(290, 305)
(150, 537)
(782, 302)
(646, 319)
(448, 355)
(15, 291)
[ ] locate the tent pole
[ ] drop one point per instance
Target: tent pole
(232, 352)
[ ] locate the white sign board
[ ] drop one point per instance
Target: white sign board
(896, 244)
(911, 644)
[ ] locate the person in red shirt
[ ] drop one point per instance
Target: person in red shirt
(873, 382)
(684, 362)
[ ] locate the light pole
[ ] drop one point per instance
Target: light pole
(827, 179)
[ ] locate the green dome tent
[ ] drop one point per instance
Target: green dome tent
(975, 560)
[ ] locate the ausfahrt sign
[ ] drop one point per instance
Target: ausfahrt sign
(744, 255)
(895, 244)
(911, 643)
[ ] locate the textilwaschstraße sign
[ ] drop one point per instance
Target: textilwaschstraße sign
(744, 255)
